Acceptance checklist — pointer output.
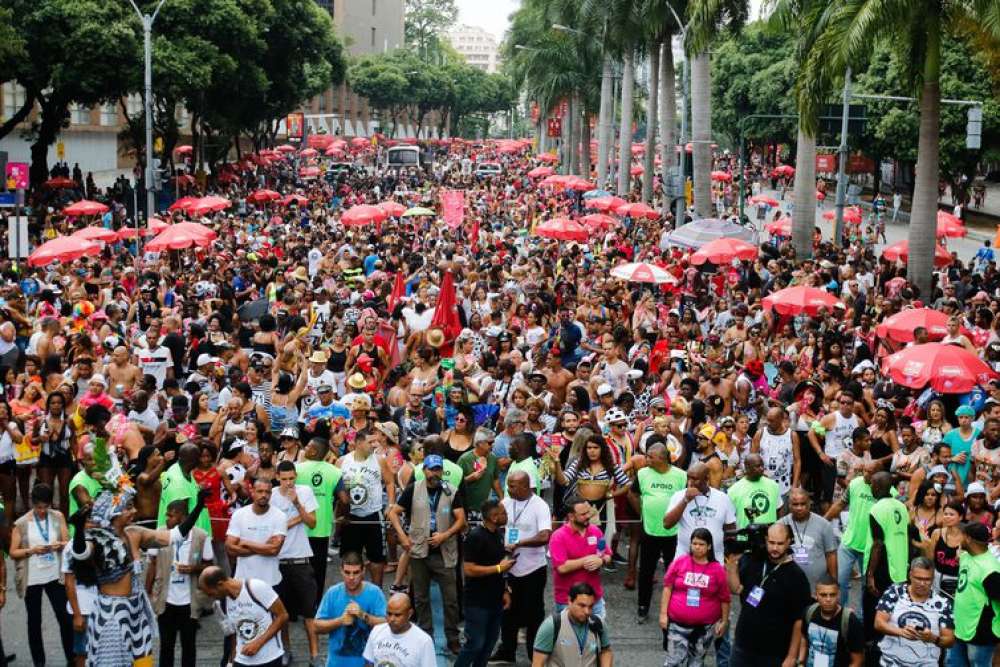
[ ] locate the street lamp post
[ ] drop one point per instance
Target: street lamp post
(147, 32)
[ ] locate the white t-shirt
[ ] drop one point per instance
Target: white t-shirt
(252, 618)
(248, 525)
(155, 362)
(528, 518)
(42, 568)
(86, 596)
(413, 648)
(315, 256)
(314, 383)
(179, 588)
(147, 418)
(296, 543)
(712, 511)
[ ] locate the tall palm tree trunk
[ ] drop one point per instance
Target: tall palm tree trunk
(804, 217)
(701, 132)
(625, 134)
(574, 135)
(652, 105)
(564, 142)
(605, 118)
(668, 116)
(923, 219)
(585, 158)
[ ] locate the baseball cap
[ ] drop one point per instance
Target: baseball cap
(975, 487)
(433, 461)
(204, 359)
(290, 432)
(604, 389)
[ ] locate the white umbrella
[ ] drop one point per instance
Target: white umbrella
(641, 272)
(698, 233)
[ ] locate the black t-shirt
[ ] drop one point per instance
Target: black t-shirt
(484, 547)
(767, 628)
(175, 343)
(824, 638)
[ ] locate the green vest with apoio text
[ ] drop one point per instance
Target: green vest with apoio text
(322, 478)
(970, 596)
(894, 519)
(656, 489)
(175, 486)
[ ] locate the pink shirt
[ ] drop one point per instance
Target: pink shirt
(696, 608)
(567, 544)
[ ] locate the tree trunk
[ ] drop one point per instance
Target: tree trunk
(804, 217)
(605, 118)
(701, 132)
(585, 159)
(579, 167)
(923, 216)
(625, 138)
(53, 115)
(566, 155)
(668, 117)
(652, 104)
(542, 143)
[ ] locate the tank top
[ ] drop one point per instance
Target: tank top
(776, 451)
(839, 437)
(337, 361)
(945, 557)
(363, 480)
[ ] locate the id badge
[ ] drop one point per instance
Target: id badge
(755, 596)
(48, 557)
(513, 535)
(175, 576)
(800, 555)
(821, 660)
(694, 597)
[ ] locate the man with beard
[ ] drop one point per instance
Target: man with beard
(255, 536)
(716, 385)
(349, 611)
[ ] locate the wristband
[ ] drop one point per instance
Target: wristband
(499, 571)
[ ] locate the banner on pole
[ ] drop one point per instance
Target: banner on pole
(295, 125)
(555, 127)
(453, 207)
(16, 175)
(826, 163)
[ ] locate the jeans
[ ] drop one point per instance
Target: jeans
(482, 629)
(527, 610)
(422, 571)
(56, 593)
(320, 547)
(650, 551)
(964, 654)
(176, 620)
(599, 610)
(846, 558)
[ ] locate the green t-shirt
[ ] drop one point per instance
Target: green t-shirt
(970, 596)
(86, 481)
(655, 490)
(452, 473)
(762, 496)
(859, 502)
(322, 478)
(176, 486)
(894, 520)
(478, 491)
(527, 466)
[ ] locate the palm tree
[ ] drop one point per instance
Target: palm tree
(915, 27)
(652, 119)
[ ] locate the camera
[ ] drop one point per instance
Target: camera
(752, 538)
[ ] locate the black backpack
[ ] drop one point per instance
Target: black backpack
(594, 624)
(845, 620)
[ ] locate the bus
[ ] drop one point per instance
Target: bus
(405, 157)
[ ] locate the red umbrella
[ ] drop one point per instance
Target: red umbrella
(309, 172)
(196, 228)
(555, 180)
(96, 234)
(723, 176)
(899, 327)
(640, 272)
(446, 312)
(599, 221)
(539, 172)
(154, 227)
(334, 151)
(851, 215)
(764, 199)
(184, 150)
(779, 227)
(176, 237)
(949, 225)
(308, 152)
(604, 203)
(183, 203)
(900, 252)
(562, 229)
(637, 211)
(723, 251)
(298, 200)
(285, 148)
(949, 369)
(363, 214)
(784, 170)
(60, 182)
(393, 208)
(794, 300)
(547, 157)
(579, 184)
(637, 170)
(207, 205)
(360, 142)
(63, 249)
(85, 207)
(263, 196)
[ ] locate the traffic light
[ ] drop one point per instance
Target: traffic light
(974, 128)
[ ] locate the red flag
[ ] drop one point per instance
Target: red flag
(446, 314)
(398, 292)
(474, 236)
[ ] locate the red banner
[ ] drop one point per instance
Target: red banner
(295, 125)
(859, 164)
(555, 127)
(826, 163)
(453, 207)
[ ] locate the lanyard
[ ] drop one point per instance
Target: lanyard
(517, 515)
(767, 575)
(805, 531)
(44, 532)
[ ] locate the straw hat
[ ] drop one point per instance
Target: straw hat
(435, 337)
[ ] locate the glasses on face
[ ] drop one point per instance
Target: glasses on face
(846, 401)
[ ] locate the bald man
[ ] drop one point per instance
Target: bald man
(814, 548)
(398, 641)
(123, 375)
(700, 506)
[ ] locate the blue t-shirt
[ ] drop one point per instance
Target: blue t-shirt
(347, 644)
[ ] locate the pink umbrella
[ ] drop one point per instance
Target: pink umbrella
(309, 172)
(85, 207)
(334, 151)
(263, 196)
(764, 199)
(547, 157)
(604, 203)
(779, 227)
(851, 215)
(393, 208)
(154, 227)
(183, 203)
(722, 176)
(285, 148)
(900, 252)
(96, 234)
(948, 369)
(63, 249)
(176, 237)
(949, 225)
(540, 172)
(308, 152)
(562, 229)
(206, 205)
(599, 221)
(795, 300)
(363, 214)
(637, 170)
(639, 210)
(723, 251)
(196, 228)
(579, 184)
(184, 150)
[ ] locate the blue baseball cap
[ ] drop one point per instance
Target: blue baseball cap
(433, 461)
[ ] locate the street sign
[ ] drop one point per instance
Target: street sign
(974, 128)
(7, 199)
(17, 237)
(60, 150)
(826, 163)
(16, 175)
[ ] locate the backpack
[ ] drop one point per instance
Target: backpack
(594, 624)
(845, 619)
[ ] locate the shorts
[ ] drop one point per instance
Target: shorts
(8, 468)
(274, 663)
(297, 589)
(364, 534)
(56, 461)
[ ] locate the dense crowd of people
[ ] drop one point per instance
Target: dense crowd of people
(198, 433)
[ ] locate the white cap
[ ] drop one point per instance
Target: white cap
(204, 359)
(604, 389)
(975, 487)
(98, 378)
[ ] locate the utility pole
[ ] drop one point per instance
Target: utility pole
(147, 42)
(838, 230)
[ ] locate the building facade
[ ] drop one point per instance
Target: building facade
(479, 47)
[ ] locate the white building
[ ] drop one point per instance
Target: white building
(478, 47)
